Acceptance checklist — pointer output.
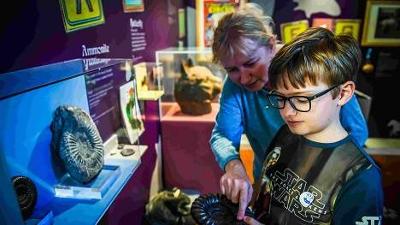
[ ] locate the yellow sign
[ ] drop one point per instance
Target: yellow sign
(80, 14)
(348, 26)
(292, 29)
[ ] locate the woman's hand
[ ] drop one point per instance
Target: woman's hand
(235, 184)
(251, 221)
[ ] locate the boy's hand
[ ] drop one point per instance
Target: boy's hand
(235, 184)
(251, 221)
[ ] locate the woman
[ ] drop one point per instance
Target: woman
(244, 44)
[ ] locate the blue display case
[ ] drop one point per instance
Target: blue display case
(28, 99)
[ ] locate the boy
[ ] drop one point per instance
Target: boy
(314, 172)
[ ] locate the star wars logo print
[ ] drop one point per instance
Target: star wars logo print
(369, 220)
(295, 195)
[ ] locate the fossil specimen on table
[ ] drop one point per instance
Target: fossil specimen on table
(196, 88)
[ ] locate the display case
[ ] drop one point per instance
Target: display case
(36, 179)
(170, 59)
(189, 106)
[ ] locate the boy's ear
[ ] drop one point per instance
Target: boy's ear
(346, 92)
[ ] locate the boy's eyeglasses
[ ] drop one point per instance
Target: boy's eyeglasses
(299, 103)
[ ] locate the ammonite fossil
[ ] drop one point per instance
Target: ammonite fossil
(216, 209)
(77, 142)
(26, 194)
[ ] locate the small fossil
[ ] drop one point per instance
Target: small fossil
(128, 151)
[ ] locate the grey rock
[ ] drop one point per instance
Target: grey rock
(196, 88)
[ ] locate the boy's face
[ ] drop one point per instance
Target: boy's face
(249, 68)
(323, 116)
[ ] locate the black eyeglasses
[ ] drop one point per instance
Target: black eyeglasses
(299, 103)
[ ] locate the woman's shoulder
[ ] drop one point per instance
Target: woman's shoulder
(231, 88)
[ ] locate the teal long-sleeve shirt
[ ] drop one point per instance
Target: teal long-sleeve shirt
(245, 112)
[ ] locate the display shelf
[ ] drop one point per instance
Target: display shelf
(383, 146)
(138, 152)
(72, 211)
(95, 189)
(112, 150)
(171, 112)
(150, 95)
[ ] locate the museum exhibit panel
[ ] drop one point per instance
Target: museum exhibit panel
(107, 105)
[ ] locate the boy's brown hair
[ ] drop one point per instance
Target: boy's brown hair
(316, 55)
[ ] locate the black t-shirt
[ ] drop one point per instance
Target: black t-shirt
(305, 182)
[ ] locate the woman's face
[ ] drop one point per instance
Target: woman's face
(249, 68)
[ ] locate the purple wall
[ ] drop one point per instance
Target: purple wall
(34, 33)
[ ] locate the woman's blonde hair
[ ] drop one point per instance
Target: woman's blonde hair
(247, 22)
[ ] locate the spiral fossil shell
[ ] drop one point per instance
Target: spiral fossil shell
(78, 143)
(216, 209)
(26, 194)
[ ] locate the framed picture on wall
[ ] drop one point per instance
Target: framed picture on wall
(381, 24)
(208, 13)
(79, 15)
(133, 6)
(348, 26)
(292, 29)
(327, 23)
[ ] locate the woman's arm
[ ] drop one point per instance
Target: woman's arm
(226, 135)
(225, 143)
